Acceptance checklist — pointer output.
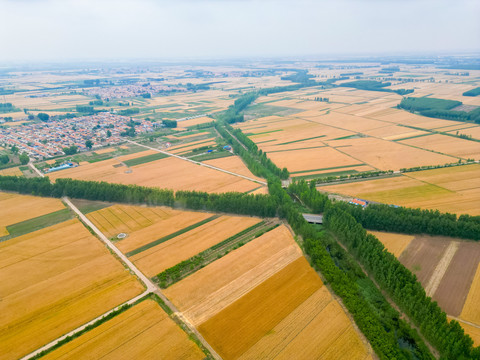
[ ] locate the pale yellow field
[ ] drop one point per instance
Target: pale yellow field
(233, 164)
(55, 280)
(16, 208)
(179, 148)
(470, 309)
(197, 121)
(15, 171)
(447, 145)
(168, 173)
(311, 159)
(242, 324)
(472, 331)
(171, 252)
(211, 289)
(389, 155)
(142, 332)
(394, 243)
(127, 218)
(454, 189)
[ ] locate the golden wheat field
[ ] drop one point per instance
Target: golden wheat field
(209, 290)
(317, 329)
(452, 189)
(233, 164)
(171, 252)
(239, 326)
(470, 308)
(394, 243)
(142, 332)
(196, 121)
(13, 171)
(171, 173)
(55, 280)
(15, 208)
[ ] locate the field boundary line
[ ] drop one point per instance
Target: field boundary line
(464, 321)
(200, 163)
(82, 327)
(441, 268)
(151, 288)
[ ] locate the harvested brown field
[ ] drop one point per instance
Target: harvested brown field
(239, 326)
(16, 208)
(470, 309)
(171, 173)
(58, 278)
(171, 252)
(423, 254)
(455, 285)
(209, 290)
(142, 332)
(394, 243)
(317, 329)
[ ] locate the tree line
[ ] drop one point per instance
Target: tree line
(439, 108)
(372, 313)
(403, 287)
(232, 202)
(372, 85)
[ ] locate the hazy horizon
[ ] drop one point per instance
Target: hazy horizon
(87, 30)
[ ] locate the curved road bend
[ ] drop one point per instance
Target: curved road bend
(199, 163)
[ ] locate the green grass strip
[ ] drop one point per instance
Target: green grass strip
(37, 223)
(329, 168)
(413, 137)
(305, 148)
(265, 132)
(90, 327)
(145, 159)
(295, 141)
(211, 156)
(190, 144)
(171, 236)
(175, 273)
(320, 176)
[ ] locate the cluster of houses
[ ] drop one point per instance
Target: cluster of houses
(127, 91)
(48, 139)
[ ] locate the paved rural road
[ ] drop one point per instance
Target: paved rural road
(151, 287)
(199, 163)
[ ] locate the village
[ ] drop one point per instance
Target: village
(48, 139)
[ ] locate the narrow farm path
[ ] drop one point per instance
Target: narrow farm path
(441, 268)
(150, 287)
(199, 163)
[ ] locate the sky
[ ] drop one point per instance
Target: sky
(64, 30)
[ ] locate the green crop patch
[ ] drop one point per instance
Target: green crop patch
(145, 159)
(171, 236)
(37, 223)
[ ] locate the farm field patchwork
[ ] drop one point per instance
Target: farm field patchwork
(394, 243)
(155, 259)
(83, 280)
(15, 208)
(452, 189)
(170, 172)
(225, 299)
(141, 332)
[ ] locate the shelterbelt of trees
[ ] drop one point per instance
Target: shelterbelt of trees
(375, 318)
(439, 108)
